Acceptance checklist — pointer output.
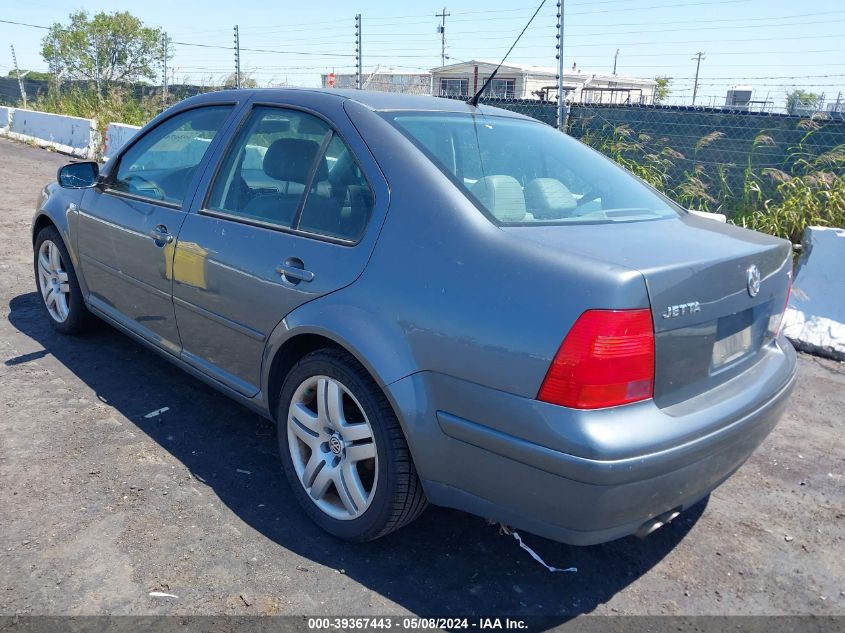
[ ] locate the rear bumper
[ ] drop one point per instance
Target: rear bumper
(584, 477)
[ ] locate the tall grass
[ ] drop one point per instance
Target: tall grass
(807, 188)
(116, 105)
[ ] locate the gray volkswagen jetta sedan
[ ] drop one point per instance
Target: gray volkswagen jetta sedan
(436, 302)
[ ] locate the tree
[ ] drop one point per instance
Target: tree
(30, 75)
(108, 47)
(801, 99)
(662, 89)
(246, 81)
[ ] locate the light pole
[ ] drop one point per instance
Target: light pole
(698, 57)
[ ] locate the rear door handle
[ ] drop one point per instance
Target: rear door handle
(293, 271)
(161, 234)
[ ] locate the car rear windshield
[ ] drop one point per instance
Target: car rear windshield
(526, 173)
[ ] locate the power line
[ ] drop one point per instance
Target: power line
(34, 26)
(265, 50)
(404, 37)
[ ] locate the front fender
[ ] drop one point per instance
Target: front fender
(60, 207)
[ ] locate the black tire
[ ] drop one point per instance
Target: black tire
(398, 498)
(78, 316)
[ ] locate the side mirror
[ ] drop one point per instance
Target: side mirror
(78, 175)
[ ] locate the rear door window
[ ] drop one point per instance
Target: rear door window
(340, 202)
(289, 169)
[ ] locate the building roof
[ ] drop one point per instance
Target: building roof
(540, 70)
(547, 71)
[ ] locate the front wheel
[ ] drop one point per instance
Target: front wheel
(343, 450)
(57, 283)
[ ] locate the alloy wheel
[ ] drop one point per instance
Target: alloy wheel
(53, 281)
(332, 447)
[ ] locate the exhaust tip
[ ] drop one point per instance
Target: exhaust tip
(648, 527)
(657, 522)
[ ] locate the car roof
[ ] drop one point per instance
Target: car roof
(372, 99)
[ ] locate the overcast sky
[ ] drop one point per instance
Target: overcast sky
(772, 45)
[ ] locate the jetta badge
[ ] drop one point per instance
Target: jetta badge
(753, 280)
(682, 309)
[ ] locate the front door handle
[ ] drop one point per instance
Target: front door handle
(293, 271)
(161, 234)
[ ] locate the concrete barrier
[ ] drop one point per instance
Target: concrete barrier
(67, 134)
(5, 118)
(117, 135)
(815, 317)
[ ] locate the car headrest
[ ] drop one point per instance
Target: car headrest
(290, 160)
(548, 198)
(502, 196)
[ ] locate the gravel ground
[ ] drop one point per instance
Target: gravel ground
(102, 504)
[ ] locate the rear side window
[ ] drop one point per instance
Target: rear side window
(289, 169)
(522, 172)
(340, 201)
(161, 164)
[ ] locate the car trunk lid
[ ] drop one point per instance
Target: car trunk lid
(709, 322)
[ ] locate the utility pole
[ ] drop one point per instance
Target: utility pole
(442, 30)
(56, 67)
(237, 58)
(615, 57)
(359, 79)
(698, 57)
(164, 72)
(562, 109)
(20, 77)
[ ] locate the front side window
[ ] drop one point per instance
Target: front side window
(523, 172)
(289, 169)
(161, 164)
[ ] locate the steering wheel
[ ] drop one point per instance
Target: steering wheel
(139, 183)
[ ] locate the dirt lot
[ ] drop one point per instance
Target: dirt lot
(102, 503)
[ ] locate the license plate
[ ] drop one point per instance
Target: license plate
(732, 347)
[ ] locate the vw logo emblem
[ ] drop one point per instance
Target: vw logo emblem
(335, 445)
(753, 280)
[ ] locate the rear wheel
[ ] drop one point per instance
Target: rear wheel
(343, 450)
(57, 283)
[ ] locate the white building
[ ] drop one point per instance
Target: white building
(513, 81)
(521, 81)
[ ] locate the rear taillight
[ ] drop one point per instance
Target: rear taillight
(776, 320)
(607, 359)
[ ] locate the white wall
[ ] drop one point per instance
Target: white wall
(5, 117)
(117, 135)
(71, 135)
(815, 318)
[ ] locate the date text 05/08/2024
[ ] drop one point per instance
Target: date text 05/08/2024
(416, 623)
